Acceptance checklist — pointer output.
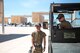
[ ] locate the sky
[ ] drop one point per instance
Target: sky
(26, 7)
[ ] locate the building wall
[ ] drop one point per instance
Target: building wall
(5, 20)
(37, 18)
(18, 19)
(41, 18)
(0, 20)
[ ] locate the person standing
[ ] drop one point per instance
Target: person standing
(38, 37)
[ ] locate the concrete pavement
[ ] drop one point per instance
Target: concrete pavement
(20, 41)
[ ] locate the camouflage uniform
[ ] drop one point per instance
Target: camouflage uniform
(65, 24)
(37, 40)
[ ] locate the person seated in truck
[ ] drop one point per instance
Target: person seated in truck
(63, 23)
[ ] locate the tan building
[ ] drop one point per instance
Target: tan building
(0, 20)
(18, 19)
(5, 20)
(37, 18)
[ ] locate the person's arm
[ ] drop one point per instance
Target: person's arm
(32, 41)
(44, 43)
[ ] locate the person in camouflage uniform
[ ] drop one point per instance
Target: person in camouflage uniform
(37, 38)
(64, 24)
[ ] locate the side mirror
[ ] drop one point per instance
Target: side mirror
(45, 25)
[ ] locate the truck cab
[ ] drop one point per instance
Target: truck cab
(65, 40)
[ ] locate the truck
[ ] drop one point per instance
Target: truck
(64, 40)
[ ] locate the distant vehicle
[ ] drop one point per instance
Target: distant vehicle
(65, 40)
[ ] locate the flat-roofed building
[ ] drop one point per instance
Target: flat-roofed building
(18, 19)
(37, 18)
(5, 20)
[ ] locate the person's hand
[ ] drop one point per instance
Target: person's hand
(44, 49)
(33, 47)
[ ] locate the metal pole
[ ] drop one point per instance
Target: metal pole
(3, 16)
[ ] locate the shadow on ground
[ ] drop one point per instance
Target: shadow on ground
(8, 37)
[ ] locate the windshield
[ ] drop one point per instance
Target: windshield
(76, 21)
(73, 18)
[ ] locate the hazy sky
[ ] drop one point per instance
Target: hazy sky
(26, 7)
(21, 7)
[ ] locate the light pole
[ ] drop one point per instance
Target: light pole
(3, 16)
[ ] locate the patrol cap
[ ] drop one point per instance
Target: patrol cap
(38, 24)
(60, 16)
